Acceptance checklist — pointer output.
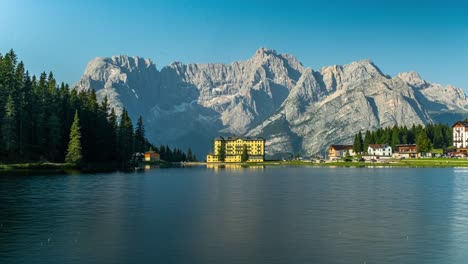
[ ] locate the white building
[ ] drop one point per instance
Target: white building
(460, 134)
(379, 150)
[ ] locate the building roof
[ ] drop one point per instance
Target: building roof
(151, 153)
(406, 145)
(341, 147)
(232, 138)
(406, 148)
(377, 146)
(463, 123)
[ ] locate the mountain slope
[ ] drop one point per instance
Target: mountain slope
(272, 95)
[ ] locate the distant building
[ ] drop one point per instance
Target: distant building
(339, 151)
(406, 151)
(379, 150)
(231, 149)
(460, 136)
(152, 156)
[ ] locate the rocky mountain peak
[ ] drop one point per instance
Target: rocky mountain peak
(412, 78)
(297, 109)
(265, 51)
(132, 63)
(363, 69)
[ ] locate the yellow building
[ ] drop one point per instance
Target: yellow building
(231, 148)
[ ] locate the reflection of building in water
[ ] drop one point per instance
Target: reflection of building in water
(232, 166)
(232, 149)
(149, 167)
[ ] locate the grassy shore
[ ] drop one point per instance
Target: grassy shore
(46, 168)
(409, 163)
(35, 168)
(64, 168)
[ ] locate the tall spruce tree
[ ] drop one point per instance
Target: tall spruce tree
(368, 139)
(74, 155)
(423, 143)
(125, 139)
(358, 143)
(9, 130)
(140, 145)
(395, 139)
(189, 155)
(113, 136)
(54, 137)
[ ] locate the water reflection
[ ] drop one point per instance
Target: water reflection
(458, 224)
(150, 167)
(232, 166)
(265, 215)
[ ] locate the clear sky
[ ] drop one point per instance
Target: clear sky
(430, 37)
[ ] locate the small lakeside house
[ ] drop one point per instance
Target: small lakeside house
(406, 151)
(152, 156)
(339, 151)
(383, 150)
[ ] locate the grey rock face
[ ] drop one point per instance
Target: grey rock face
(297, 109)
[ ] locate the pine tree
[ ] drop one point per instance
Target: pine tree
(140, 136)
(74, 155)
(162, 152)
(367, 140)
(54, 137)
(245, 154)
(423, 143)
(395, 139)
(113, 148)
(9, 130)
(358, 143)
(125, 140)
(25, 118)
(189, 155)
(404, 135)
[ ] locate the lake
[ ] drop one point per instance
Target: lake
(237, 215)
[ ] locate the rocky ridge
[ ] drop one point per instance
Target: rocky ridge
(297, 109)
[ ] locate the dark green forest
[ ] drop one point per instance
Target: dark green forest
(37, 114)
(431, 136)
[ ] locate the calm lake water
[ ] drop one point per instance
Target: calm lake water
(263, 215)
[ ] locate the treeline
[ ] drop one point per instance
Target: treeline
(431, 136)
(174, 155)
(36, 116)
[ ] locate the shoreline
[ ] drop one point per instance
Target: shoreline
(46, 168)
(408, 163)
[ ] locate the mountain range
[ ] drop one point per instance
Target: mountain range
(295, 108)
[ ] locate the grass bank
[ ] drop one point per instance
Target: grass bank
(35, 168)
(411, 163)
(46, 168)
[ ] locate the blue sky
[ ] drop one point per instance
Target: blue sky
(429, 37)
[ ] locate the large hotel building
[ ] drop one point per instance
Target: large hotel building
(231, 148)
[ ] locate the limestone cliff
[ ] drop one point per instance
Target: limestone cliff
(297, 109)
